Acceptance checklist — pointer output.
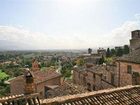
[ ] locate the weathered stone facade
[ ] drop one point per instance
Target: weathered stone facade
(135, 41)
(128, 76)
(96, 78)
(128, 66)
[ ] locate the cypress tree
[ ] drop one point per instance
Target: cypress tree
(108, 54)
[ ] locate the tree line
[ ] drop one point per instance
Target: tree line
(118, 52)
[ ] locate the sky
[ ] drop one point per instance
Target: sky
(67, 24)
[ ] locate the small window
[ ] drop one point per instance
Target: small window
(112, 78)
(94, 87)
(129, 69)
(94, 77)
(88, 86)
(79, 75)
(41, 93)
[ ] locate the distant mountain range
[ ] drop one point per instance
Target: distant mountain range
(11, 45)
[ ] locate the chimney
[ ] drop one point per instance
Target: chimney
(89, 65)
(29, 82)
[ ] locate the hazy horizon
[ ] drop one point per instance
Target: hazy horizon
(67, 24)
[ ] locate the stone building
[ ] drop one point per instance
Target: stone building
(128, 66)
(93, 58)
(41, 80)
(124, 71)
(96, 77)
(129, 69)
(101, 51)
(35, 65)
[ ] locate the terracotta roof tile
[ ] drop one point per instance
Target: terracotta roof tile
(120, 96)
(40, 76)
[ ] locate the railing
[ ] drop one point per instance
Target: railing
(31, 99)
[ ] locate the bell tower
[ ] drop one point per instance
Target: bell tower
(35, 65)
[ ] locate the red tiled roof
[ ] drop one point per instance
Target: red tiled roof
(129, 95)
(40, 76)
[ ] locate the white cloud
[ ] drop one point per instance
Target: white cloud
(35, 40)
(122, 34)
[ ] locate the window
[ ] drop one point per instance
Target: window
(41, 93)
(129, 69)
(94, 77)
(93, 87)
(79, 75)
(112, 78)
(88, 86)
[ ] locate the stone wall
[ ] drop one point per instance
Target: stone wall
(134, 44)
(96, 81)
(40, 88)
(125, 77)
(135, 41)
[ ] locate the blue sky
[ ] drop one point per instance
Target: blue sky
(68, 24)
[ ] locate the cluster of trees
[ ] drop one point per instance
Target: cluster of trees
(117, 52)
(4, 88)
(52, 62)
(11, 70)
(66, 68)
(114, 52)
(80, 62)
(102, 60)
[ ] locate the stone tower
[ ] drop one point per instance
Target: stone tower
(135, 41)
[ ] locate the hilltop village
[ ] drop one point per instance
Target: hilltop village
(68, 75)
